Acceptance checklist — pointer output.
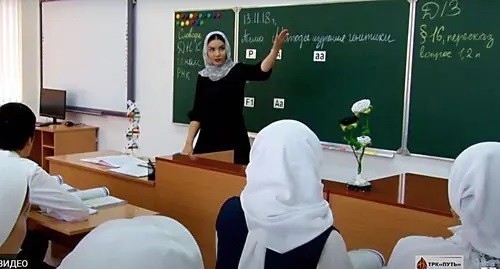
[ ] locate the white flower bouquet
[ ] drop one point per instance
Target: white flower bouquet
(356, 132)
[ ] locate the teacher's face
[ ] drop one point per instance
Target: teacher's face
(216, 52)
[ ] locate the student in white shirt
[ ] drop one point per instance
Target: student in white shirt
(17, 125)
(151, 242)
(473, 192)
(13, 211)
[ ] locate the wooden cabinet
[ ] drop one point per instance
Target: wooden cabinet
(59, 139)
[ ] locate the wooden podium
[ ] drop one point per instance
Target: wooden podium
(222, 156)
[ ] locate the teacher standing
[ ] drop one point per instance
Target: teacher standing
(217, 111)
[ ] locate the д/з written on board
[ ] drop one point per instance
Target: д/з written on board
(437, 41)
(454, 81)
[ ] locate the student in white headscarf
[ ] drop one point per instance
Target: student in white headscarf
(282, 220)
(152, 242)
(217, 111)
(14, 209)
(473, 189)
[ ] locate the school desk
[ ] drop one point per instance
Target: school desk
(64, 236)
(191, 189)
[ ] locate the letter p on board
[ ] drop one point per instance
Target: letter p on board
(251, 54)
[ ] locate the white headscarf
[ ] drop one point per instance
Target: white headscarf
(473, 187)
(473, 190)
(282, 200)
(13, 189)
(152, 242)
(212, 71)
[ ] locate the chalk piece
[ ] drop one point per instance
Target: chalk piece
(200, 15)
(279, 103)
(187, 23)
(319, 56)
(182, 24)
(191, 16)
(218, 15)
(249, 102)
(202, 22)
(177, 23)
(251, 54)
(196, 15)
(192, 22)
(177, 16)
(279, 55)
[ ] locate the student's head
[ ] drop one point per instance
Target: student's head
(17, 123)
(14, 209)
(217, 47)
(283, 198)
(152, 242)
(287, 155)
(473, 190)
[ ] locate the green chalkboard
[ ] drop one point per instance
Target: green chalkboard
(455, 77)
(365, 45)
(191, 27)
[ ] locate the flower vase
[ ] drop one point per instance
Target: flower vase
(359, 182)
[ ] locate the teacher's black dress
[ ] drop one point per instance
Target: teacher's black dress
(218, 106)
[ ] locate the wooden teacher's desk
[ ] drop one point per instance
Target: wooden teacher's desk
(192, 190)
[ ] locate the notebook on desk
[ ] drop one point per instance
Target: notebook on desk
(131, 170)
(116, 161)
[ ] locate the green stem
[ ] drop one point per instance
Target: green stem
(355, 155)
(360, 160)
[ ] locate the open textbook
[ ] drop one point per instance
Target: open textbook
(97, 198)
(93, 198)
(115, 161)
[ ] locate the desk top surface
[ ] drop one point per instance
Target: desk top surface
(75, 161)
(104, 214)
(413, 191)
(64, 128)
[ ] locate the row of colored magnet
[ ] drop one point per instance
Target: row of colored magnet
(190, 16)
(189, 23)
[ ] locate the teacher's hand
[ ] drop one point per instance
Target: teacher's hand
(279, 40)
(187, 150)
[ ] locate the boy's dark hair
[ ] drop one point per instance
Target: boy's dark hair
(17, 126)
(216, 37)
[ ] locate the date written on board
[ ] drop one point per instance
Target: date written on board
(263, 17)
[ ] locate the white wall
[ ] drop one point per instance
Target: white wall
(155, 95)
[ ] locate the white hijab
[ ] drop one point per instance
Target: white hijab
(13, 189)
(212, 71)
(473, 191)
(152, 242)
(282, 200)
